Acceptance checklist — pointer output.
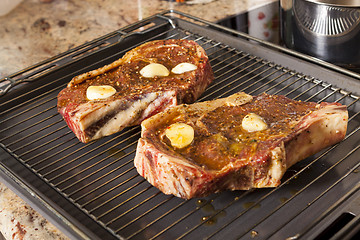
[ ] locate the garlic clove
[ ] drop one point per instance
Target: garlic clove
(253, 123)
(99, 92)
(154, 69)
(180, 134)
(183, 67)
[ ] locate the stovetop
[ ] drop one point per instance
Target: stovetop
(262, 22)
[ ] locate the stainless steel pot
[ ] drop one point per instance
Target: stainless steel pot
(326, 29)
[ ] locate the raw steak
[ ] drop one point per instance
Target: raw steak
(229, 151)
(135, 96)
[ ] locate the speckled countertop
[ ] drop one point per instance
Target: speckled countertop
(38, 29)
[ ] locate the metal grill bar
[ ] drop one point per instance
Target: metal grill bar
(265, 77)
(50, 164)
(112, 198)
(94, 172)
(73, 160)
(122, 203)
(271, 81)
(328, 96)
(290, 84)
(24, 111)
(279, 83)
(318, 93)
(133, 208)
(36, 97)
(38, 139)
(197, 209)
(220, 50)
(264, 84)
(85, 169)
(218, 89)
(243, 69)
(26, 128)
(296, 88)
(96, 180)
(37, 131)
(356, 114)
(308, 90)
(221, 63)
(52, 148)
(118, 217)
(88, 160)
(157, 219)
(104, 193)
(143, 214)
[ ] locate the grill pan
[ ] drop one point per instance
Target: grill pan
(92, 191)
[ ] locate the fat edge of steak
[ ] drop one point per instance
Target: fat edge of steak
(91, 120)
(173, 174)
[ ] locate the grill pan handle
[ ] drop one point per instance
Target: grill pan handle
(6, 84)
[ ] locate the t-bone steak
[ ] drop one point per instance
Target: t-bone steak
(146, 80)
(236, 143)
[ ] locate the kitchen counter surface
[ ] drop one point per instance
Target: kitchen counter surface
(38, 29)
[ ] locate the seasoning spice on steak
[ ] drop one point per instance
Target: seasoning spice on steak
(146, 80)
(239, 142)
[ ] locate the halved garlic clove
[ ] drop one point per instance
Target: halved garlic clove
(180, 134)
(183, 67)
(253, 123)
(99, 92)
(154, 69)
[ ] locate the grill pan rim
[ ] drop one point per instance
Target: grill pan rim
(225, 30)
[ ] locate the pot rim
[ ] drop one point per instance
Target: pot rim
(339, 3)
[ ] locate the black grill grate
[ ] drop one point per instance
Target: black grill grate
(99, 178)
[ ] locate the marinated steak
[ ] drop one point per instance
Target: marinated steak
(146, 80)
(236, 143)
